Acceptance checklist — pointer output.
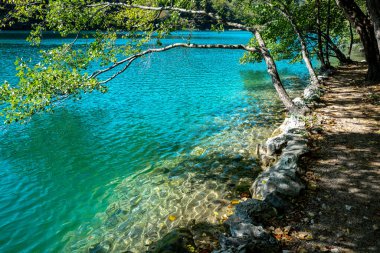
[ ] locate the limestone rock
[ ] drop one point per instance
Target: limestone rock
(312, 93)
(249, 238)
(283, 181)
(278, 201)
(299, 102)
(178, 240)
(273, 188)
(254, 211)
(267, 161)
(292, 124)
(276, 144)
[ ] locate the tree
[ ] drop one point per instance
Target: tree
(366, 31)
(283, 8)
(62, 72)
(295, 25)
(373, 7)
(319, 35)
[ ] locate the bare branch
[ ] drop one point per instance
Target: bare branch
(130, 59)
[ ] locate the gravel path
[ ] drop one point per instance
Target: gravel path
(340, 210)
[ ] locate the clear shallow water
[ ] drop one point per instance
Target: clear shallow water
(174, 135)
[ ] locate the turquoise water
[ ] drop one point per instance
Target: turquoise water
(113, 166)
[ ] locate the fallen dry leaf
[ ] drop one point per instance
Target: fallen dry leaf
(172, 217)
(235, 202)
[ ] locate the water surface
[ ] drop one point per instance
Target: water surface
(173, 136)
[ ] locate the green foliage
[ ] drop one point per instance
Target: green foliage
(249, 57)
(40, 87)
(63, 71)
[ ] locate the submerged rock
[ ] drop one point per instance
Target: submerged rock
(206, 236)
(245, 233)
(102, 247)
(178, 240)
(248, 238)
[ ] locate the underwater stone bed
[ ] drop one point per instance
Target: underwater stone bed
(271, 191)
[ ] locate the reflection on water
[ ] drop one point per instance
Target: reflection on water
(175, 135)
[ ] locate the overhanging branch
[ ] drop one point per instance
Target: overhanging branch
(128, 61)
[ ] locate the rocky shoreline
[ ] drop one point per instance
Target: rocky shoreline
(271, 192)
(274, 188)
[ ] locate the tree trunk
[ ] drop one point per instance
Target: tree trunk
(351, 41)
(304, 51)
(319, 35)
(366, 32)
(272, 70)
(373, 7)
(306, 58)
(338, 53)
(328, 32)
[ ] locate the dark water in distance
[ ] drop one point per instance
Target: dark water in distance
(62, 170)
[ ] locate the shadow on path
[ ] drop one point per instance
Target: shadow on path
(341, 207)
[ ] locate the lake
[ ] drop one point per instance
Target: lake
(169, 144)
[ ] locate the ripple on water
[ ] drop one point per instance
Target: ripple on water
(197, 186)
(60, 172)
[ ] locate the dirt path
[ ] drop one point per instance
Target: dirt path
(340, 210)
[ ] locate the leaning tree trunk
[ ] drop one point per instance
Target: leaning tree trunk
(366, 32)
(351, 41)
(272, 70)
(373, 7)
(304, 51)
(338, 53)
(328, 32)
(319, 35)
